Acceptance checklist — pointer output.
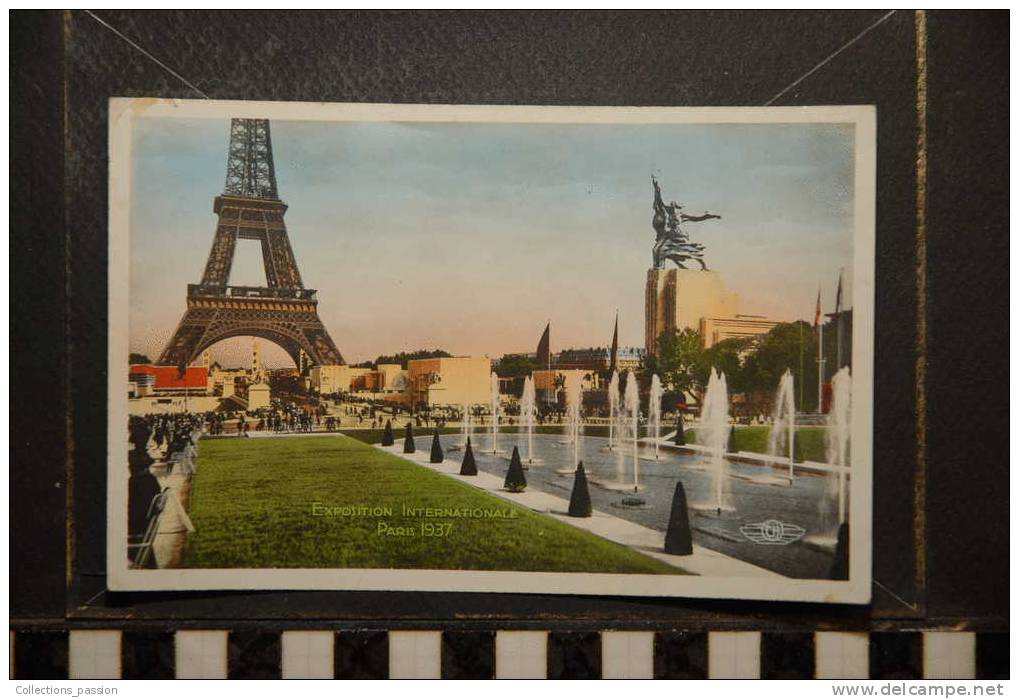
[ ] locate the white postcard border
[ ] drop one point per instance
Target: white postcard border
(123, 112)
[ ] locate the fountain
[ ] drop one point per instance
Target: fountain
(837, 456)
(714, 433)
(613, 407)
(618, 423)
(839, 421)
(495, 412)
(629, 430)
(655, 411)
(527, 413)
(783, 425)
(465, 429)
(631, 406)
(573, 405)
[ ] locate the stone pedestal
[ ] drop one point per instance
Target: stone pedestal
(258, 396)
(675, 299)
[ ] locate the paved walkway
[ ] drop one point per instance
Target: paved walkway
(648, 541)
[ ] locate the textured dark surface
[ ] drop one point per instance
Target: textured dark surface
(40, 655)
(147, 655)
(253, 655)
(38, 355)
(468, 655)
(896, 656)
(992, 656)
(361, 655)
(681, 655)
(787, 656)
(58, 266)
(574, 655)
(968, 233)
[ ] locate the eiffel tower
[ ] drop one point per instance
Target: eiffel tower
(284, 311)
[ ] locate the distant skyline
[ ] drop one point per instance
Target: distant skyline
(470, 237)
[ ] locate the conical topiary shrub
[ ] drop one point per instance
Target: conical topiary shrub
(678, 539)
(730, 448)
(515, 480)
(680, 439)
(468, 467)
(387, 435)
(437, 455)
(408, 440)
(580, 498)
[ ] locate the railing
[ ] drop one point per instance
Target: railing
(260, 292)
(153, 517)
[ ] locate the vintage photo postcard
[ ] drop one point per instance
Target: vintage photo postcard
(598, 351)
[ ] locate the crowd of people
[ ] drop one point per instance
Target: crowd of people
(158, 443)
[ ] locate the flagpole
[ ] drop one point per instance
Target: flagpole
(838, 340)
(820, 364)
(801, 378)
(838, 325)
(548, 361)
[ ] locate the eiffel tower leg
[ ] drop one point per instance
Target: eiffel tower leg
(181, 350)
(292, 326)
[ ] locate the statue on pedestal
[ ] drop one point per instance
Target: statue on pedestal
(671, 241)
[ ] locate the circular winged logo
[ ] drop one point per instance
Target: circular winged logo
(771, 532)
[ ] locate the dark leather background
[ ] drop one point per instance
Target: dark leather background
(64, 67)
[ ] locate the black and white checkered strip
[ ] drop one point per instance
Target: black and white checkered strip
(163, 654)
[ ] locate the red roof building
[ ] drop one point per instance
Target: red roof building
(168, 378)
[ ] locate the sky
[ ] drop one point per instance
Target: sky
(470, 237)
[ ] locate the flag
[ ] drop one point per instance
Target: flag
(544, 354)
(838, 295)
(817, 311)
(615, 346)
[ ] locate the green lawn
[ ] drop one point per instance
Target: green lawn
(370, 436)
(755, 438)
(422, 435)
(253, 502)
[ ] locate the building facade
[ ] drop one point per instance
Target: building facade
(714, 330)
(340, 378)
(677, 299)
(599, 358)
(335, 378)
(686, 299)
(156, 389)
(168, 380)
(453, 381)
(551, 386)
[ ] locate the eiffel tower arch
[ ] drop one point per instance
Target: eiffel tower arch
(284, 311)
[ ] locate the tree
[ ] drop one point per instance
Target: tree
(783, 348)
(516, 365)
(728, 356)
(138, 358)
(679, 362)
(402, 358)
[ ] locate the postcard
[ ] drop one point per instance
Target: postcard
(569, 350)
